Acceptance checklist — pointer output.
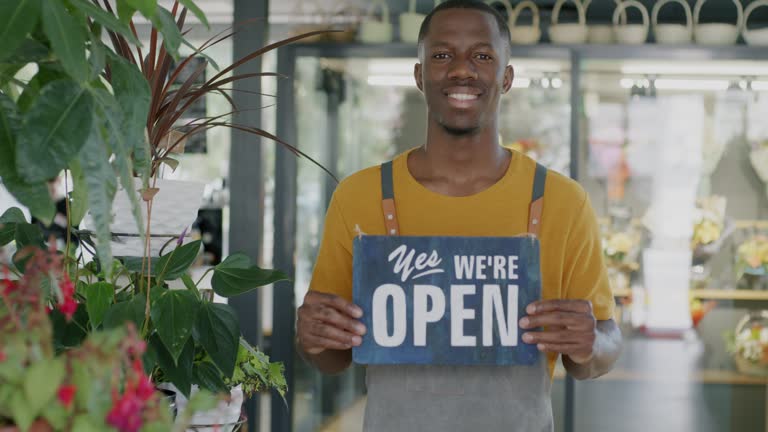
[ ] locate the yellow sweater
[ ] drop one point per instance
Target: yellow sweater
(571, 254)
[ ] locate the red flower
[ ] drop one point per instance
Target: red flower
(126, 413)
(2, 356)
(68, 308)
(145, 389)
(9, 286)
(66, 394)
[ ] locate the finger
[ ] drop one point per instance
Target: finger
(567, 305)
(322, 330)
(334, 317)
(334, 301)
(316, 344)
(584, 338)
(571, 320)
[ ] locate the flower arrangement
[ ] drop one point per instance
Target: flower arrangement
(709, 222)
(752, 256)
(749, 343)
(621, 248)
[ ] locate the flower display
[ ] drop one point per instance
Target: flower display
(752, 255)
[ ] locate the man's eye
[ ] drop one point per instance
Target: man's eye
(484, 57)
(440, 56)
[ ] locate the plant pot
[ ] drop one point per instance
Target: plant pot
(717, 33)
(630, 34)
(575, 33)
(174, 209)
(757, 37)
(224, 418)
(37, 426)
(672, 34)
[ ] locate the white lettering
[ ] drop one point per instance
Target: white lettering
(404, 259)
(512, 268)
(480, 268)
(463, 266)
(507, 323)
(498, 267)
(380, 318)
(459, 315)
(422, 315)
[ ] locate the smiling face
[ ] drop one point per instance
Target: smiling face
(463, 70)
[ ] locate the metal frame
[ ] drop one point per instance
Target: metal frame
(286, 167)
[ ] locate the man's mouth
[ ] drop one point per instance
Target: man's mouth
(462, 97)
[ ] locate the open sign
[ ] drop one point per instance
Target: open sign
(445, 300)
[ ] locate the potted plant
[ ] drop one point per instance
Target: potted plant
(88, 109)
(45, 387)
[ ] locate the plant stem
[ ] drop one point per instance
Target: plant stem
(148, 259)
(203, 276)
(69, 217)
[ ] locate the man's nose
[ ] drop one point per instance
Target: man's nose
(462, 68)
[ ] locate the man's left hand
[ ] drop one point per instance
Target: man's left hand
(569, 328)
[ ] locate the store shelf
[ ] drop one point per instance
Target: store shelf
(721, 294)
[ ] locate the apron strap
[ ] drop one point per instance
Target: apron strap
(537, 200)
(388, 199)
(390, 212)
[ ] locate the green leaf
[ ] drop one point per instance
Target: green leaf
(34, 196)
(133, 95)
(166, 24)
(176, 262)
(173, 315)
(17, 19)
(98, 299)
(13, 215)
(47, 73)
(84, 423)
(207, 376)
(56, 415)
(125, 11)
(133, 264)
(8, 222)
(67, 36)
(100, 188)
(190, 284)
(217, 329)
(42, 381)
(106, 19)
(30, 51)
(23, 414)
(178, 371)
(29, 235)
(71, 334)
(235, 275)
(120, 313)
(79, 197)
(54, 130)
(112, 113)
(146, 7)
(97, 57)
(190, 4)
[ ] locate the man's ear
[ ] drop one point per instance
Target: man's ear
(417, 76)
(509, 76)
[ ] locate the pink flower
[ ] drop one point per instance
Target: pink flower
(2, 356)
(126, 412)
(66, 394)
(145, 389)
(68, 308)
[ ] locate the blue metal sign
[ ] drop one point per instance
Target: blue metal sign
(445, 300)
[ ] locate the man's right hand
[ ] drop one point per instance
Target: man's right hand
(327, 321)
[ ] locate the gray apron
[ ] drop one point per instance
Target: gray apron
(426, 398)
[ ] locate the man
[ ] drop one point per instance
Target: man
(461, 182)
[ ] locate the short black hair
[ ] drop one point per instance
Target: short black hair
(466, 4)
